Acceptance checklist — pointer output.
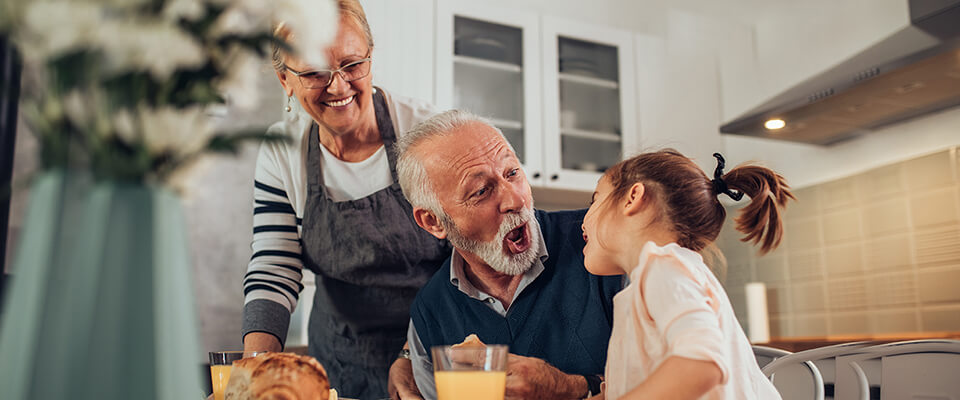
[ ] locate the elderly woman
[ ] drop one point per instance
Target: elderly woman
(330, 202)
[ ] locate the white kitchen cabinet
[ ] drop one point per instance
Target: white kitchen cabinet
(589, 109)
(561, 91)
(488, 63)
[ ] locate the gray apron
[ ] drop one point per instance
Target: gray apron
(370, 259)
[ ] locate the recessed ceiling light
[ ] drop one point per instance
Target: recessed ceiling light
(774, 124)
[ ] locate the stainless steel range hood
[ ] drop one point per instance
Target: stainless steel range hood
(913, 72)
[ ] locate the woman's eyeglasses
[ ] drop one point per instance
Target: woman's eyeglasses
(321, 78)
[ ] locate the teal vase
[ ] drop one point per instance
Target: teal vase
(100, 304)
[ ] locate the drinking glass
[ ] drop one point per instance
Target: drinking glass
(470, 373)
(221, 363)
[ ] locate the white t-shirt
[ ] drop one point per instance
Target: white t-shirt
(280, 196)
(346, 180)
(674, 306)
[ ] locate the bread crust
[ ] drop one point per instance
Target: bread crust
(278, 376)
(470, 341)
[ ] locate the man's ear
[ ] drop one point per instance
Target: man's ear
(635, 199)
(429, 222)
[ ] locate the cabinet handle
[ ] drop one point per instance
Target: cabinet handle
(536, 175)
(554, 177)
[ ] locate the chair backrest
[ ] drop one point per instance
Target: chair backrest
(766, 354)
(823, 358)
(919, 369)
(795, 378)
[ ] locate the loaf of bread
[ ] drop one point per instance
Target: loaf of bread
(470, 341)
(278, 376)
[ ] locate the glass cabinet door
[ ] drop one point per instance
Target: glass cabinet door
(589, 88)
(590, 131)
(488, 75)
(485, 65)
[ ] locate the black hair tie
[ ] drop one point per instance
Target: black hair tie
(719, 186)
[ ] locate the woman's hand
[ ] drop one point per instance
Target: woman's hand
(260, 341)
(400, 383)
(533, 378)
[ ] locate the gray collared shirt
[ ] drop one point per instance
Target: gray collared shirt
(422, 366)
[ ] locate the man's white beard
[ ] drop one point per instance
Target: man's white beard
(494, 252)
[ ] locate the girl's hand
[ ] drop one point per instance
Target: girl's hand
(678, 378)
(598, 397)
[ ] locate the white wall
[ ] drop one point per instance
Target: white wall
(679, 88)
(403, 46)
(799, 39)
(796, 41)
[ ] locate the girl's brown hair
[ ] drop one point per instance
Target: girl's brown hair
(689, 199)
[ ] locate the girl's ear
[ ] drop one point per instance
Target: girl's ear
(635, 199)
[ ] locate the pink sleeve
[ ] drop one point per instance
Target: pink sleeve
(684, 312)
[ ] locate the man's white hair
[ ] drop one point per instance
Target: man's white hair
(411, 173)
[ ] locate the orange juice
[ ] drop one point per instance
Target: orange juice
(470, 385)
(219, 376)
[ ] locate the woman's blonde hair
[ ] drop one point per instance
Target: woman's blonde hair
(348, 8)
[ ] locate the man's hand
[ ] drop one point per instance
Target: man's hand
(532, 378)
(401, 384)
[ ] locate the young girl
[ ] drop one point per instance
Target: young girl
(674, 332)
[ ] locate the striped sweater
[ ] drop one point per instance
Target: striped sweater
(272, 283)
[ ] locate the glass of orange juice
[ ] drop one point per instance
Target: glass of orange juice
(221, 363)
(470, 373)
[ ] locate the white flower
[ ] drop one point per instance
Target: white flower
(240, 85)
(191, 10)
(314, 23)
(119, 4)
(181, 131)
(78, 108)
(148, 45)
(53, 28)
(166, 129)
(125, 126)
(236, 20)
(50, 29)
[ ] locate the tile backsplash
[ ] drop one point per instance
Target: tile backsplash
(870, 254)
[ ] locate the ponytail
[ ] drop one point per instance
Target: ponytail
(688, 197)
(761, 220)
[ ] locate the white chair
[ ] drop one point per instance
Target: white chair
(918, 369)
(822, 358)
(765, 354)
(795, 378)
(825, 360)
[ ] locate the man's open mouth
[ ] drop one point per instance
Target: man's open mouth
(518, 240)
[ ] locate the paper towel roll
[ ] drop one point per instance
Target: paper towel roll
(757, 321)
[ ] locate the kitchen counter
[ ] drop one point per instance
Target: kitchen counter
(795, 344)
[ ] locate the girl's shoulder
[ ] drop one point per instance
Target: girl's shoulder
(671, 255)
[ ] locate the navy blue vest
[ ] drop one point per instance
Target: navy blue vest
(563, 317)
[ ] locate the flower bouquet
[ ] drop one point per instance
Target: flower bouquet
(119, 94)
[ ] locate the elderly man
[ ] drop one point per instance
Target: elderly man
(516, 275)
